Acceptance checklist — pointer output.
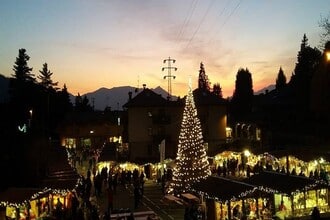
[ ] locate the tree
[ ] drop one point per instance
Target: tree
(217, 90)
(324, 23)
(203, 81)
(45, 78)
(65, 98)
(191, 160)
(308, 60)
(22, 72)
(320, 87)
(241, 103)
(82, 104)
(22, 88)
(280, 80)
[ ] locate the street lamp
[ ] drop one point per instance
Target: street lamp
(327, 51)
(30, 119)
(247, 153)
(327, 55)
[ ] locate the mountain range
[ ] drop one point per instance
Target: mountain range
(115, 97)
(101, 98)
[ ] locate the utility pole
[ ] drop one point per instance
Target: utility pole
(169, 75)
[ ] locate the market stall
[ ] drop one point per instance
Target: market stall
(226, 198)
(21, 203)
(293, 196)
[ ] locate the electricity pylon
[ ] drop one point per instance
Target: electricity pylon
(169, 75)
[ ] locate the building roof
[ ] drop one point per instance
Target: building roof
(60, 175)
(146, 98)
(66, 183)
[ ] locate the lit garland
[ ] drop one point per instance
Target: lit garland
(191, 162)
(231, 199)
(23, 203)
(46, 190)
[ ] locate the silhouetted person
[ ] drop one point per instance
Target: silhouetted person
(248, 171)
(316, 213)
(58, 211)
(110, 200)
(74, 206)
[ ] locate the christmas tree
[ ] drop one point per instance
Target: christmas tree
(191, 160)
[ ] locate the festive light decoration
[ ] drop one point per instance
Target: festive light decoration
(42, 193)
(191, 160)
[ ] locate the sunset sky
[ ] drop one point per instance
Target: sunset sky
(109, 43)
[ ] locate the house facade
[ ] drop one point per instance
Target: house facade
(91, 130)
(152, 118)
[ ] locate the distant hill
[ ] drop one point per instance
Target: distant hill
(115, 97)
(263, 90)
(4, 85)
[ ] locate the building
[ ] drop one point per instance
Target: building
(152, 118)
(91, 130)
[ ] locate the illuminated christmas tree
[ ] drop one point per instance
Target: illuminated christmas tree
(191, 160)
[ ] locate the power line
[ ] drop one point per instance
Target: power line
(228, 17)
(232, 12)
(169, 75)
(200, 23)
(187, 19)
(219, 15)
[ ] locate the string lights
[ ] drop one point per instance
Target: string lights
(191, 160)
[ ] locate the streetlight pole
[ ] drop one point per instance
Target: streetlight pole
(30, 119)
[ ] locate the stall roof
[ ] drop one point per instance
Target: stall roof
(14, 196)
(60, 176)
(281, 183)
(223, 189)
(108, 153)
(61, 183)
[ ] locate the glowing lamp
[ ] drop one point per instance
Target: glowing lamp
(327, 55)
(247, 153)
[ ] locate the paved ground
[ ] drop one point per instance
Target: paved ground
(152, 201)
(123, 199)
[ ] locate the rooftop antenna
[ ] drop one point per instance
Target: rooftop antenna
(138, 84)
(169, 75)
